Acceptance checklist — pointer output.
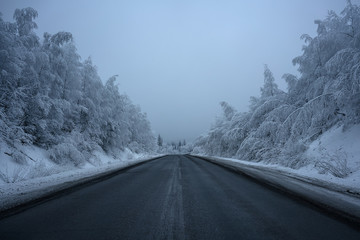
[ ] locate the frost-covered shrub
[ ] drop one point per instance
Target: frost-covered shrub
(336, 164)
(94, 160)
(198, 150)
(135, 147)
(295, 148)
(14, 174)
(41, 169)
(65, 153)
(19, 158)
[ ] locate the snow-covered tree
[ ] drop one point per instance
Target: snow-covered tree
(49, 98)
(270, 88)
(159, 141)
(279, 126)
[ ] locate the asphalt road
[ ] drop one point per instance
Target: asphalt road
(174, 197)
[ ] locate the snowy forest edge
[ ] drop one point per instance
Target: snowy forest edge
(52, 100)
(282, 127)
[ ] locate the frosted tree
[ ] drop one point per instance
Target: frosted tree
(279, 126)
(24, 20)
(159, 141)
(228, 111)
(270, 88)
(49, 98)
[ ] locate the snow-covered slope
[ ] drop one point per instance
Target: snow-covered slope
(337, 152)
(38, 177)
(34, 162)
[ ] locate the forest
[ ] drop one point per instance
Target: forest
(52, 99)
(279, 125)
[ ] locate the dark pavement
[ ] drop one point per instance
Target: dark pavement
(174, 197)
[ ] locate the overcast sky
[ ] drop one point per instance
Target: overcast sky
(178, 59)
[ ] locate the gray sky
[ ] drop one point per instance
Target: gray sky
(178, 59)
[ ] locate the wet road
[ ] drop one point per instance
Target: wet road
(174, 197)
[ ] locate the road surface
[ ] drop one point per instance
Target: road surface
(174, 197)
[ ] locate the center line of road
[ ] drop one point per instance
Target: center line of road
(171, 224)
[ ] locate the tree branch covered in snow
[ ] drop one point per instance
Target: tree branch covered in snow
(280, 126)
(52, 99)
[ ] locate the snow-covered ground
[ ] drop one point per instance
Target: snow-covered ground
(23, 182)
(335, 152)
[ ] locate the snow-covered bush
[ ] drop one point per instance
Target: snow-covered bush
(18, 157)
(14, 174)
(66, 153)
(336, 164)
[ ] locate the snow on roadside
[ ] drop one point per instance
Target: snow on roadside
(308, 173)
(340, 148)
(316, 182)
(326, 195)
(20, 183)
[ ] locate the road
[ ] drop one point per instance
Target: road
(174, 197)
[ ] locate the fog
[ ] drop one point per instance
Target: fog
(179, 59)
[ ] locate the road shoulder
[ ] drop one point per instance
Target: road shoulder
(16, 197)
(342, 202)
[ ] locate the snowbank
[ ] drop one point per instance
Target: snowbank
(337, 152)
(24, 182)
(340, 198)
